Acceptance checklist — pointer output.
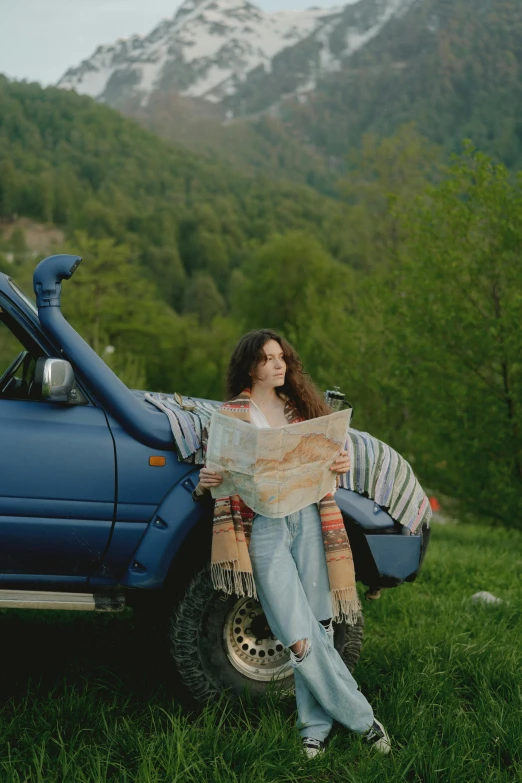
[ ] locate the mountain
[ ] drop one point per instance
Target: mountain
(293, 94)
(231, 53)
(452, 67)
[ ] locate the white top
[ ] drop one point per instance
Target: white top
(257, 417)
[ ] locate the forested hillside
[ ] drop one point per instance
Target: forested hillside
(454, 67)
(66, 160)
(405, 290)
(261, 144)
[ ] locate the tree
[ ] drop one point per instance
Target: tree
(457, 312)
(203, 299)
(201, 243)
(294, 286)
(9, 186)
(384, 177)
(110, 304)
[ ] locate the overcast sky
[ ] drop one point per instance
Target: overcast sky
(40, 39)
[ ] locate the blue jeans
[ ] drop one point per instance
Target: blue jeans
(292, 584)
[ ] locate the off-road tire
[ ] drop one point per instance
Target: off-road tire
(196, 633)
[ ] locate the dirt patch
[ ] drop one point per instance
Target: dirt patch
(39, 238)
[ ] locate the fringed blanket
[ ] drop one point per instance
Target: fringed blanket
(189, 419)
(381, 474)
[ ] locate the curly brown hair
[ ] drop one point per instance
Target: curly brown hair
(298, 386)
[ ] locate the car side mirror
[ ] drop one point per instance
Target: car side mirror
(56, 377)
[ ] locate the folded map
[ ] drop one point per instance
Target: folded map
(279, 470)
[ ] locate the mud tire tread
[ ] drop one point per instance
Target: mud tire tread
(195, 635)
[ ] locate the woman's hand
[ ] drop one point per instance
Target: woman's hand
(209, 478)
(341, 463)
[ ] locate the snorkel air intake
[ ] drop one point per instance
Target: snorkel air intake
(48, 276)
(131, 412)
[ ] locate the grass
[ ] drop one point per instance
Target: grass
(86, 699)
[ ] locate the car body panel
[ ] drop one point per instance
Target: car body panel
(383, 554)
(141, 487)
(165, 534)
(57, 487)
(396, 557)
(125, 538)
(366, 512)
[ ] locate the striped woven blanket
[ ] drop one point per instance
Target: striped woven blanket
(189, 419)
(377, 470)
(381, 474)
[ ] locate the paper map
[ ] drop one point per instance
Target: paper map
(280, 470)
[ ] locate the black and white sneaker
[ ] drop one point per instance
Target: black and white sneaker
(312, 747)
(377, 737)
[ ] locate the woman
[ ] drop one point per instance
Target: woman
(300, 566)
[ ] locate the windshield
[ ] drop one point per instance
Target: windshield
(29, 302)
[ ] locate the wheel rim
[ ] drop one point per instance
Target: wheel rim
(250, 646)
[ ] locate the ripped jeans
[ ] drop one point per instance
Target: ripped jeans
(291, 578)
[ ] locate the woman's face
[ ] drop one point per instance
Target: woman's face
(270, 372)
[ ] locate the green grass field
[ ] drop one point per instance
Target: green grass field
(85, 698)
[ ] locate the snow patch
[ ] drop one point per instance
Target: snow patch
(91, 83)
(216, 44)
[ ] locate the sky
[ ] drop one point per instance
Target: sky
(41, 39)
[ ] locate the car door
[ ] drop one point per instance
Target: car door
(57, 470)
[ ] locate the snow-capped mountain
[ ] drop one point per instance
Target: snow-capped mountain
(223, 51)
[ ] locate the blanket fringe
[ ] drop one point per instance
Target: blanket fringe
(346, 605)
(227, 577)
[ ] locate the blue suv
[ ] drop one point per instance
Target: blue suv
(96, 509)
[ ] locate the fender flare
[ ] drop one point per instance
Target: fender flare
(165, 535)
